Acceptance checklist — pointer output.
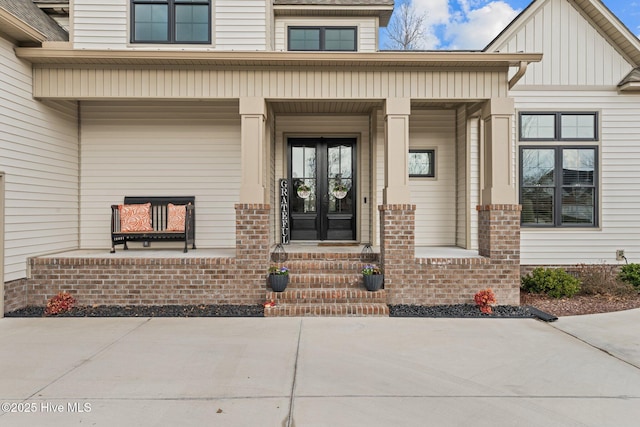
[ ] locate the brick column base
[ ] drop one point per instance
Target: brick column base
(499, 240)
(397, 243)
(252, 246)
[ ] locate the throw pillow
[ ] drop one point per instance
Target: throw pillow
(176, 215)
(135, 218)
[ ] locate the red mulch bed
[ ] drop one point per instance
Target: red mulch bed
(580, 304)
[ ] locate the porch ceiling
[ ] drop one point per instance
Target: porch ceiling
(353, 106)
(325, 107)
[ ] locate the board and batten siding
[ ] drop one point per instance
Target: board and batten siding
(328, 83)
(575, 53)
(435, 198)
(619, 191)
(161, 149)
(366, 30)
(332, 126)
(39, 157)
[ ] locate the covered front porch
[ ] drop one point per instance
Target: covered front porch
(438, 238)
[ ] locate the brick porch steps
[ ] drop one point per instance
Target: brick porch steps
(326, 284)
(327, 309)
(329, 296)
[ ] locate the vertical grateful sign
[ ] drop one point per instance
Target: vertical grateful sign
(284, 211)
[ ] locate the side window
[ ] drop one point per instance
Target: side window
(558, 186)
(422, 163)
(322, 39)
(171, 21)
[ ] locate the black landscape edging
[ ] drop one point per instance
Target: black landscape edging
(461, 311)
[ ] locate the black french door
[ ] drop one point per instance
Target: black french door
(326, 167)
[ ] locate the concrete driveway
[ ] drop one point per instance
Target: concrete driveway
(299, 372)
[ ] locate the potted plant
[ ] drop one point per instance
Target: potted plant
(372, 277)
(278, 278)
(340, 191)
(303, 191)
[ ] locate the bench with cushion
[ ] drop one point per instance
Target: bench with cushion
(146, 219)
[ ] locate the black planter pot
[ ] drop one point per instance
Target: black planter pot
(373, 282)
(278, 282)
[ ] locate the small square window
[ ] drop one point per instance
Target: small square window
(422, 163)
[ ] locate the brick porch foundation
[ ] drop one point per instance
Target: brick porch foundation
(156, 281)
(433, 281)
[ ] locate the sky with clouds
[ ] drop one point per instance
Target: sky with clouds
(472, 24)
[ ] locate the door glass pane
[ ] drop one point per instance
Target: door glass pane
(340, 178)
(303, 173)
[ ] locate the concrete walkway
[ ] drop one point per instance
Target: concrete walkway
(302, 372)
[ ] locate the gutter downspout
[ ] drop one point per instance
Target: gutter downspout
(518, 75)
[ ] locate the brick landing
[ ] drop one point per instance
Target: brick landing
(326, 284)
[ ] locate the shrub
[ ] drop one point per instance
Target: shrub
(630, 273)
(59, 304)
(484, 299)
(554, 282)
(602, 279)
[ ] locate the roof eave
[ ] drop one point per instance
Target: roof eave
(631, 87)
(383, 12)
(19, 30)
(387, 59)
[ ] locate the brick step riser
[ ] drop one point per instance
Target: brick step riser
(294, 270)
(305, 266)
(327, 297)
(319, 257)
(325, 279)
(337, 310)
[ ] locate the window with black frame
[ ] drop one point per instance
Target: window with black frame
(322, 39)
(559, 183)
(422, 163)
(171, 21)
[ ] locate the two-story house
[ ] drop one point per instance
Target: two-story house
(230, 101)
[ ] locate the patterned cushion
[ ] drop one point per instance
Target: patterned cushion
(175, 217)
(135, 218)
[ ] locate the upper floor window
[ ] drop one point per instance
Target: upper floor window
(171, 21)
(543, 126)
(322, 38)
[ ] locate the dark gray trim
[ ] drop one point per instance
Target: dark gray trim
(171, 33)
(322, 30)
(558, 185)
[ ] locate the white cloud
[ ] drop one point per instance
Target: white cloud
(463, 24)
(477, 27)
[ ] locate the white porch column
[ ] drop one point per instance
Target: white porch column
(499, 186)
(253, 150)
(396, 151)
